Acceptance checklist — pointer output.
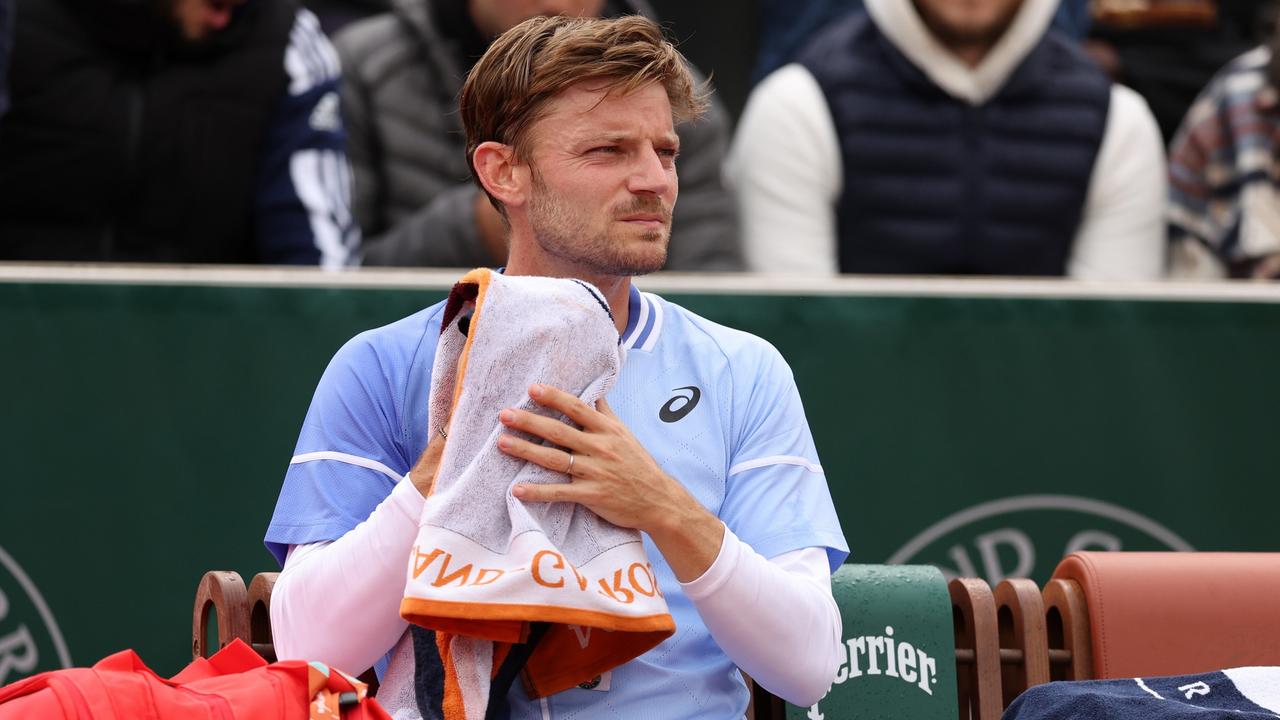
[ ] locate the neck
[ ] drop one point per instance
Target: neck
(615, 288)
(969, 54)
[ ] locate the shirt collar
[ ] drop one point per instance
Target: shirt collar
(644, 321)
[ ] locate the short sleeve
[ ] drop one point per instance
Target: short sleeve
(354, 445)
(776, 497)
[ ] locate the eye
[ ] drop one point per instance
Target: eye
(606, 150)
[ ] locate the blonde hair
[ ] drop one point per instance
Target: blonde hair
(508, 89)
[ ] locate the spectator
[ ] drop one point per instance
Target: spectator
(183, 131)
(412, 197)
(950, 138)
(6, 40)
(787, 25)
(1224, 213)
(337, 14)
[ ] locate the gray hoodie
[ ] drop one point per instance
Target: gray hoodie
(413, 196)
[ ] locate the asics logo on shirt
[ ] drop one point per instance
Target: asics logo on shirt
(677, 407)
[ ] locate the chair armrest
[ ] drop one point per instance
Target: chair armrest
(260, 637)
(1067, 631)
(1024, 648)
(977, 648)
(222, 594)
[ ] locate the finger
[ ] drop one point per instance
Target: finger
(570, 405)
(550, 492)
(423, 474)
(541, 455)
(436, 444)
(550, 429)
(602, 406)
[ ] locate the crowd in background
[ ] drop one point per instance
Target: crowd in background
(1103, 140)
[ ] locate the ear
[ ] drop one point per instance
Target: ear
(501, 173)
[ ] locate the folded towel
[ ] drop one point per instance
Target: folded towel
(486, 565)
(1247, 693)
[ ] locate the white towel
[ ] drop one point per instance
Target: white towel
(485, 564)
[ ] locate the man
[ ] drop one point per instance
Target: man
(719, 473)
(1224, 209)
(955, 138)
(6, 39)
(180, 131)
(787, 25)
(402, 75)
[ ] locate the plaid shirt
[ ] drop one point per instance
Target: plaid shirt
(1222, 167)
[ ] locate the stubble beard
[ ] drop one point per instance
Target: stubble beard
(568, 235)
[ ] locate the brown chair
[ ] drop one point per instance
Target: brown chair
(241, 613)
(260, 638)
(246, 614)
(221, 595)
(1067, 631)
(973, 610)
(1149, 614)
(1024, 647)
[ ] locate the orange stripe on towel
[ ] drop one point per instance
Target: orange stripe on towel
(500, 652)
(451, 705)
(433, 614)
(480, 277)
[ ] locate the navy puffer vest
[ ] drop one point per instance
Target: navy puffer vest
(934, 185)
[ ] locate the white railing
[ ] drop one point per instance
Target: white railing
(711, 283)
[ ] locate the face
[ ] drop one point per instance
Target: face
(197, 19)
(495, 17)
(603, 180)
(967, 22)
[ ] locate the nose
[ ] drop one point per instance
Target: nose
(653, 174)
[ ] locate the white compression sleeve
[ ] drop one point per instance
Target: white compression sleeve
(775, 618)
(339, 602)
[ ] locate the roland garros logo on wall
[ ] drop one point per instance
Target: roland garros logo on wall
(30, 641)
(1026, 536)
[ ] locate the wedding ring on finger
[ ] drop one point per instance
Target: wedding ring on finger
(569, 470)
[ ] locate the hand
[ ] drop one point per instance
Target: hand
(613, 476)
(423, 474)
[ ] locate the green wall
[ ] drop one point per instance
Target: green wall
(146, 429)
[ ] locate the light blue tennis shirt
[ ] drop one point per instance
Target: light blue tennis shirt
(716, 408)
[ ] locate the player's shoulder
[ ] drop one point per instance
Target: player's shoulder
(396, 345)
(698, 335)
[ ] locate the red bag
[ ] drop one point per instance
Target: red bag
(234, 684)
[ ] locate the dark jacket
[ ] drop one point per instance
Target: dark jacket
(946, 187)
(6, 42)
(402, 73)
(126, 144)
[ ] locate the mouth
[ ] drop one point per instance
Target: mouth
(648, 220)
